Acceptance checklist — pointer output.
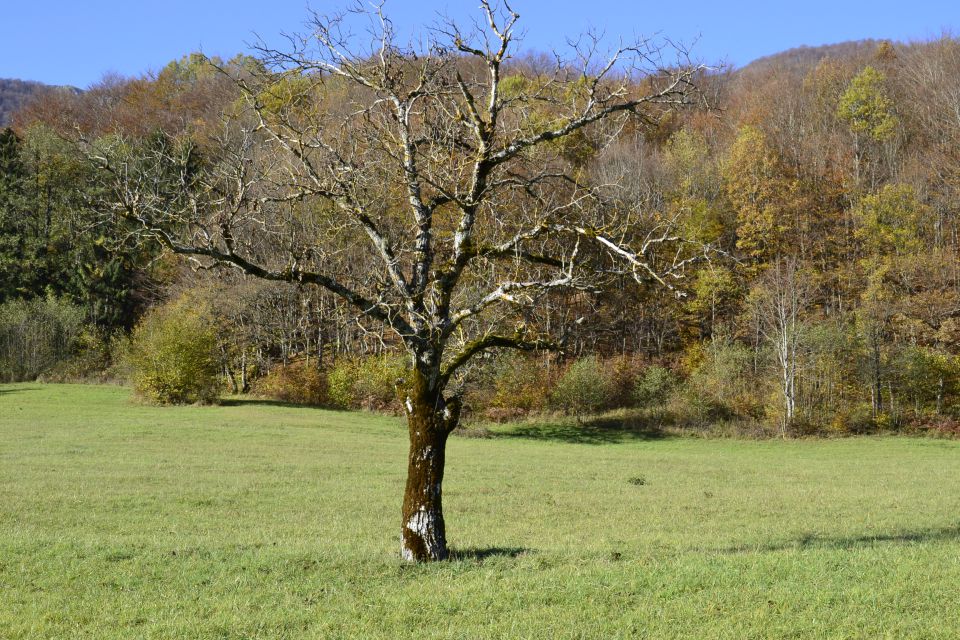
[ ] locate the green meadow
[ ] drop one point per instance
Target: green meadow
(258, 520)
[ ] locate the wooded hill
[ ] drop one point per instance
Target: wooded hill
(15, 94)
(826, 178)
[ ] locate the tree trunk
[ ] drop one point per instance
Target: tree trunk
(228, 372)
(939, 396)
(423, 534)
(430, 421)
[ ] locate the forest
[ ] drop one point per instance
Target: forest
(806, 280)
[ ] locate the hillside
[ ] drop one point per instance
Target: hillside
(802, 59)
(15, 93)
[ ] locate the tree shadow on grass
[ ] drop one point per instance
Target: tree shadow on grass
(8, 390)
(265, 402)
(598, 430)
(813, 541)
(486, 553)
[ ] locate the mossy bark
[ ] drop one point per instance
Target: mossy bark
(430, 421)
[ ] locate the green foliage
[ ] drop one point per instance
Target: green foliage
(929, 379)
(867, 108)
(653, 387)
(700, 220)
(21, 266)
(514, 86)
(291, 93)
(586, 387)
(189, 69)
(715, 291)
(173, 355)
(366, 383)
(889, 221)
(50, 240)
(36, 335)
(722, 385)
(340, 383)
(831, 382)
(692, 170)
(857, 418)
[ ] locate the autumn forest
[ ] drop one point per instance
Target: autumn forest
(806, 279)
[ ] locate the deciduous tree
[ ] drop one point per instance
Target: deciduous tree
(437, 189)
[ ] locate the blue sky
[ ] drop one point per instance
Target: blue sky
(75, 42)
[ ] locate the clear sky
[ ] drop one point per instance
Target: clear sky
(76, 41)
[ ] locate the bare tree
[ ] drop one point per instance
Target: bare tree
(780, 301)
(441, 190)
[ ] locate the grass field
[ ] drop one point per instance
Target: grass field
(257, 521)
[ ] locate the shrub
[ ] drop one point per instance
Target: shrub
(945, 426)
(653, 386)
(366, 383)
(586, 387)
(722, 386)
(36, 335)
(341, 380)
(173, 356)
(120, 367)
(726, 377)
(520, 384)
(624, 373)
(855, 418)
(688, 407)
(296, 382)
(90, 359)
